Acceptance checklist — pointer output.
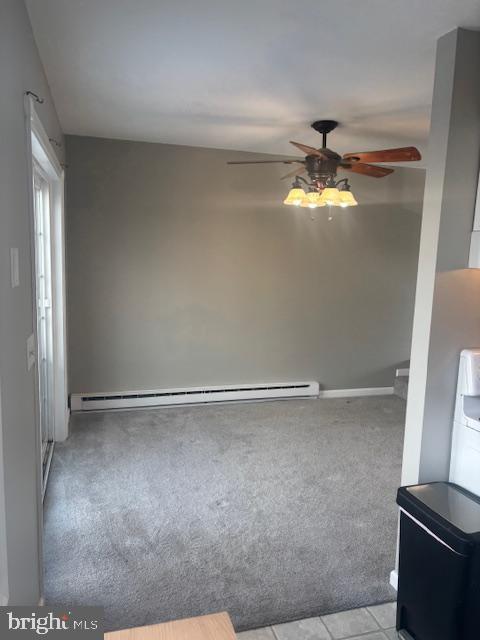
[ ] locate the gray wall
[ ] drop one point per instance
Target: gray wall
(447, 309)
(184, 271)
(20, 70)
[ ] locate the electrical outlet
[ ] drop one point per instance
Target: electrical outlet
(31, 355)
(14, 268)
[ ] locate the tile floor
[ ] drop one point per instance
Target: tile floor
(370, 623)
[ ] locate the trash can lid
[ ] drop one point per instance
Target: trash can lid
(454, 504)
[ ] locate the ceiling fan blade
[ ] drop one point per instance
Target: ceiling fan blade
(367, 169)
(263, 161)
(309, 151)
(403, 154)
(296, 172)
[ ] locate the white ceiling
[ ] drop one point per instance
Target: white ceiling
(245, 74)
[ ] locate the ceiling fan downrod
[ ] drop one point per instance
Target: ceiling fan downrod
(324, 127)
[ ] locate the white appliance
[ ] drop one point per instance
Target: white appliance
(465, 455)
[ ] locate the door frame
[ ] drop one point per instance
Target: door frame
(39, 149)
(44, 269)
(41, 152)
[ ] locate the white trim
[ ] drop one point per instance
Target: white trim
(47, 468)
(394, 579)
(356, 393)
(192, 395)
(402, 372)
(43, 153)
(42, 150)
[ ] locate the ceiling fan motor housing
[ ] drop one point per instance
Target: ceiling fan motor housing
(319, 169)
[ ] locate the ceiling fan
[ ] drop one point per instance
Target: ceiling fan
(321, 166)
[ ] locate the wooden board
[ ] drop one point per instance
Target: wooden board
(212, 627)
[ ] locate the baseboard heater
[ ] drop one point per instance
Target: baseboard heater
(193, 395)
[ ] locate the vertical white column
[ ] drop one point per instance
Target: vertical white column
(447, 305)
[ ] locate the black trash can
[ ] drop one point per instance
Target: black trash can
(439, 563)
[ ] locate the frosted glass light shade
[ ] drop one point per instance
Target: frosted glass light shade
(331, 196)
(347, 199)
(312, 200)
(295, 197)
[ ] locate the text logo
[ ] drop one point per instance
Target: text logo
(34, 622)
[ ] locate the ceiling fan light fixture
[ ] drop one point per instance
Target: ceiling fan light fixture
(331, 196)
(295, 196)
(312, 200)
(347, 199)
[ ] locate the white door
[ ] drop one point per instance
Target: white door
(43, 277)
